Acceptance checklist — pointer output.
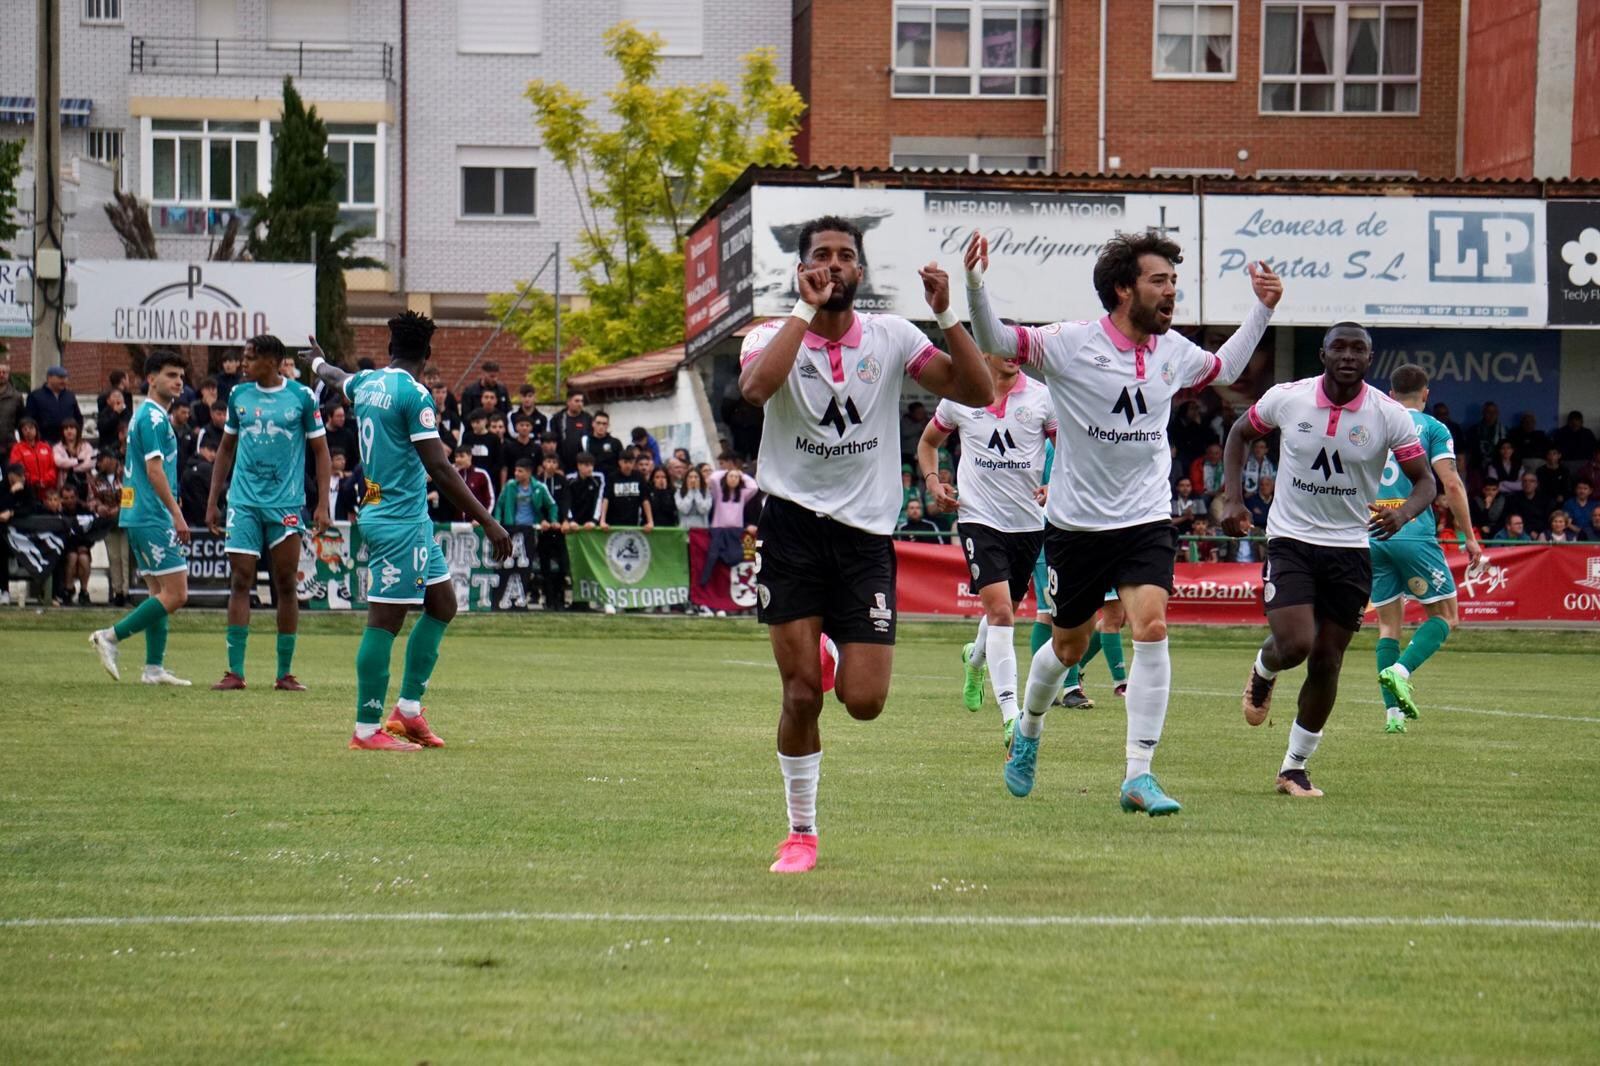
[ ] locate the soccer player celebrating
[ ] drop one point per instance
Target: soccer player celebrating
(271, 420)
(1337, 433)
(830, 379)
(1110, 528)
(398, 428)
(1411, 563)
(156, 530)
(1001, 517)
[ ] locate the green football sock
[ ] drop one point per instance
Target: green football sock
(285, 654)
(1388, 655)
(1111, 647)
(140, 618)
(422, 653)
(1428, 638)
(1039, 637)
(238, 636)
(372, 674)
(1076, 669)
(155, 640)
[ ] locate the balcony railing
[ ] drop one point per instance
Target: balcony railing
(220, 57)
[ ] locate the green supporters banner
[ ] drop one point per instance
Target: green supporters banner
(630, 569)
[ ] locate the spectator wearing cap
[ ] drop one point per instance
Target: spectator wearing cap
(12, 406)
(52, 405)
(488, 381)
(527, 407)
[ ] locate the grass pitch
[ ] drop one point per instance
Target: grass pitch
(581, 875)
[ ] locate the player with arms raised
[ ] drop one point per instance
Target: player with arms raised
(1112, 384)
(271, 421)
(1411, 563)
(1337, 433)
(156, 530)
(1001, 518)
(398, 428)
(830, 381)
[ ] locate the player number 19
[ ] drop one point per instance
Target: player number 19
(366, 429)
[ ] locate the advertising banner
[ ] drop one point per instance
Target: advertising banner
(722, 573)
(716, 278)
(628, 568)
(208, 570)
(131, 301)
(15, 319)
(933, 579)
(1376, 259)
(1042, 246)
(1574, 262)
(1519, 369)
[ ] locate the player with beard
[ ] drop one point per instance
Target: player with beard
(1112, 384)
(1337, 433)
(830, 381)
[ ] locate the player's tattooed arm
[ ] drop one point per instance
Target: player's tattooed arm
(325, 370)
(1235, 517)
(991, 334)
(1455, 495)
(219, 481)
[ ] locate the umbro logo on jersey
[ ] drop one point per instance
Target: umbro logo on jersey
(1102, 360)
(835, 416)
(1328, 463)
(809, 370)
(1127, 402)
(1305, 427)
(999, 442)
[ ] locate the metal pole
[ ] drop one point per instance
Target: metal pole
(48, 294)
(527, 290)
(557, 254)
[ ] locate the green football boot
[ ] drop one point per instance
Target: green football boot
(1395, 725)
(972, 687)
(1398, 685)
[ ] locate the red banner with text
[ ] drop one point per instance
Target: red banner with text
(1535, 583)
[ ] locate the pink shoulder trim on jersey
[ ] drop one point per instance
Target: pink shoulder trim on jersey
(1210, 375)
(1409, 451)
(919, 362)
(1050, 429)
(998, 408)
(1023, 355)
(749, 357)
(1258, 423)
(941, 425)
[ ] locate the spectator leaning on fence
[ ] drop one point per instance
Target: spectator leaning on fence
(625, 502)
(524, 501)
(586, 491)
(1513, 530)
(693, 500)
(1560, 529)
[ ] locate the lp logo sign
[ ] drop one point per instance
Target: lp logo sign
(1482, 247)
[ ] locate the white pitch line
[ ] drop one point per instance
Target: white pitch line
(975, 921)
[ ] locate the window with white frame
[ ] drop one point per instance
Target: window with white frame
(357, 150)
(681, 23)
(197, 169)
(499, 27)
(498, 183)
(105, 146)
(103, 11)
(969, 48)
(1341, 58)
(1195, 40)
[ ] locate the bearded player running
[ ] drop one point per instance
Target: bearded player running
(830, 379)
(271, 422)
(398, 429)
(1111, 383)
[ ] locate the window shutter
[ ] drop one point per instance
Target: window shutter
(681, 22)
(507, 27)
(310, 20)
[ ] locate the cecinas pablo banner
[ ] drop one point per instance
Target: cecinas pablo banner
(134, 301)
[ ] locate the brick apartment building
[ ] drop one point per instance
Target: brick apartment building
(1241, 87)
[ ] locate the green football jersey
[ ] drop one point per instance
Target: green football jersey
(1395, 486)
(272, 427)
(393, 412)
(149, 436)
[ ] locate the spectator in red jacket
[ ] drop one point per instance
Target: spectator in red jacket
(477, 481)
(35, 456)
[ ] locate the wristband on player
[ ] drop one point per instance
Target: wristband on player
(803, 311)
(974, 278)
(946, 318)
(316, 364)
(927, 476)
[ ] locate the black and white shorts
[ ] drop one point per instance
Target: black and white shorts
(994, 555)
(1084, 564)
(1336, 582)
(810, 566)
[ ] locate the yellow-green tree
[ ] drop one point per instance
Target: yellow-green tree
(641, 181)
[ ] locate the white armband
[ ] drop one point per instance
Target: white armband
(946, 318)
(316, 365)
(803, 311)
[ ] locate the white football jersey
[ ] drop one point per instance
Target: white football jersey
(831, 439)
(1002, 455)
(1113, 400)
(1330, 459)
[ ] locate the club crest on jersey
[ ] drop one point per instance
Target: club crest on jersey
(764, 594)
(880, 609)
(427, 418)
(1168, 372)
(1359, 436)
(1024, 416)
(869, 369)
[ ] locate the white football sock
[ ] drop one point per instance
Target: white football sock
(980, 644)
(408, 708)
(800, 773)
(1302, 745)
(1261, 669)
(1401, 670)
(1044, 681)
(367, 729)
(1002, 655)
(1149, 684)
(1395, 714)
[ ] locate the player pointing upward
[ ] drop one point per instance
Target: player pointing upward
(398, 429)
(829, 379)
(1112, 384)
